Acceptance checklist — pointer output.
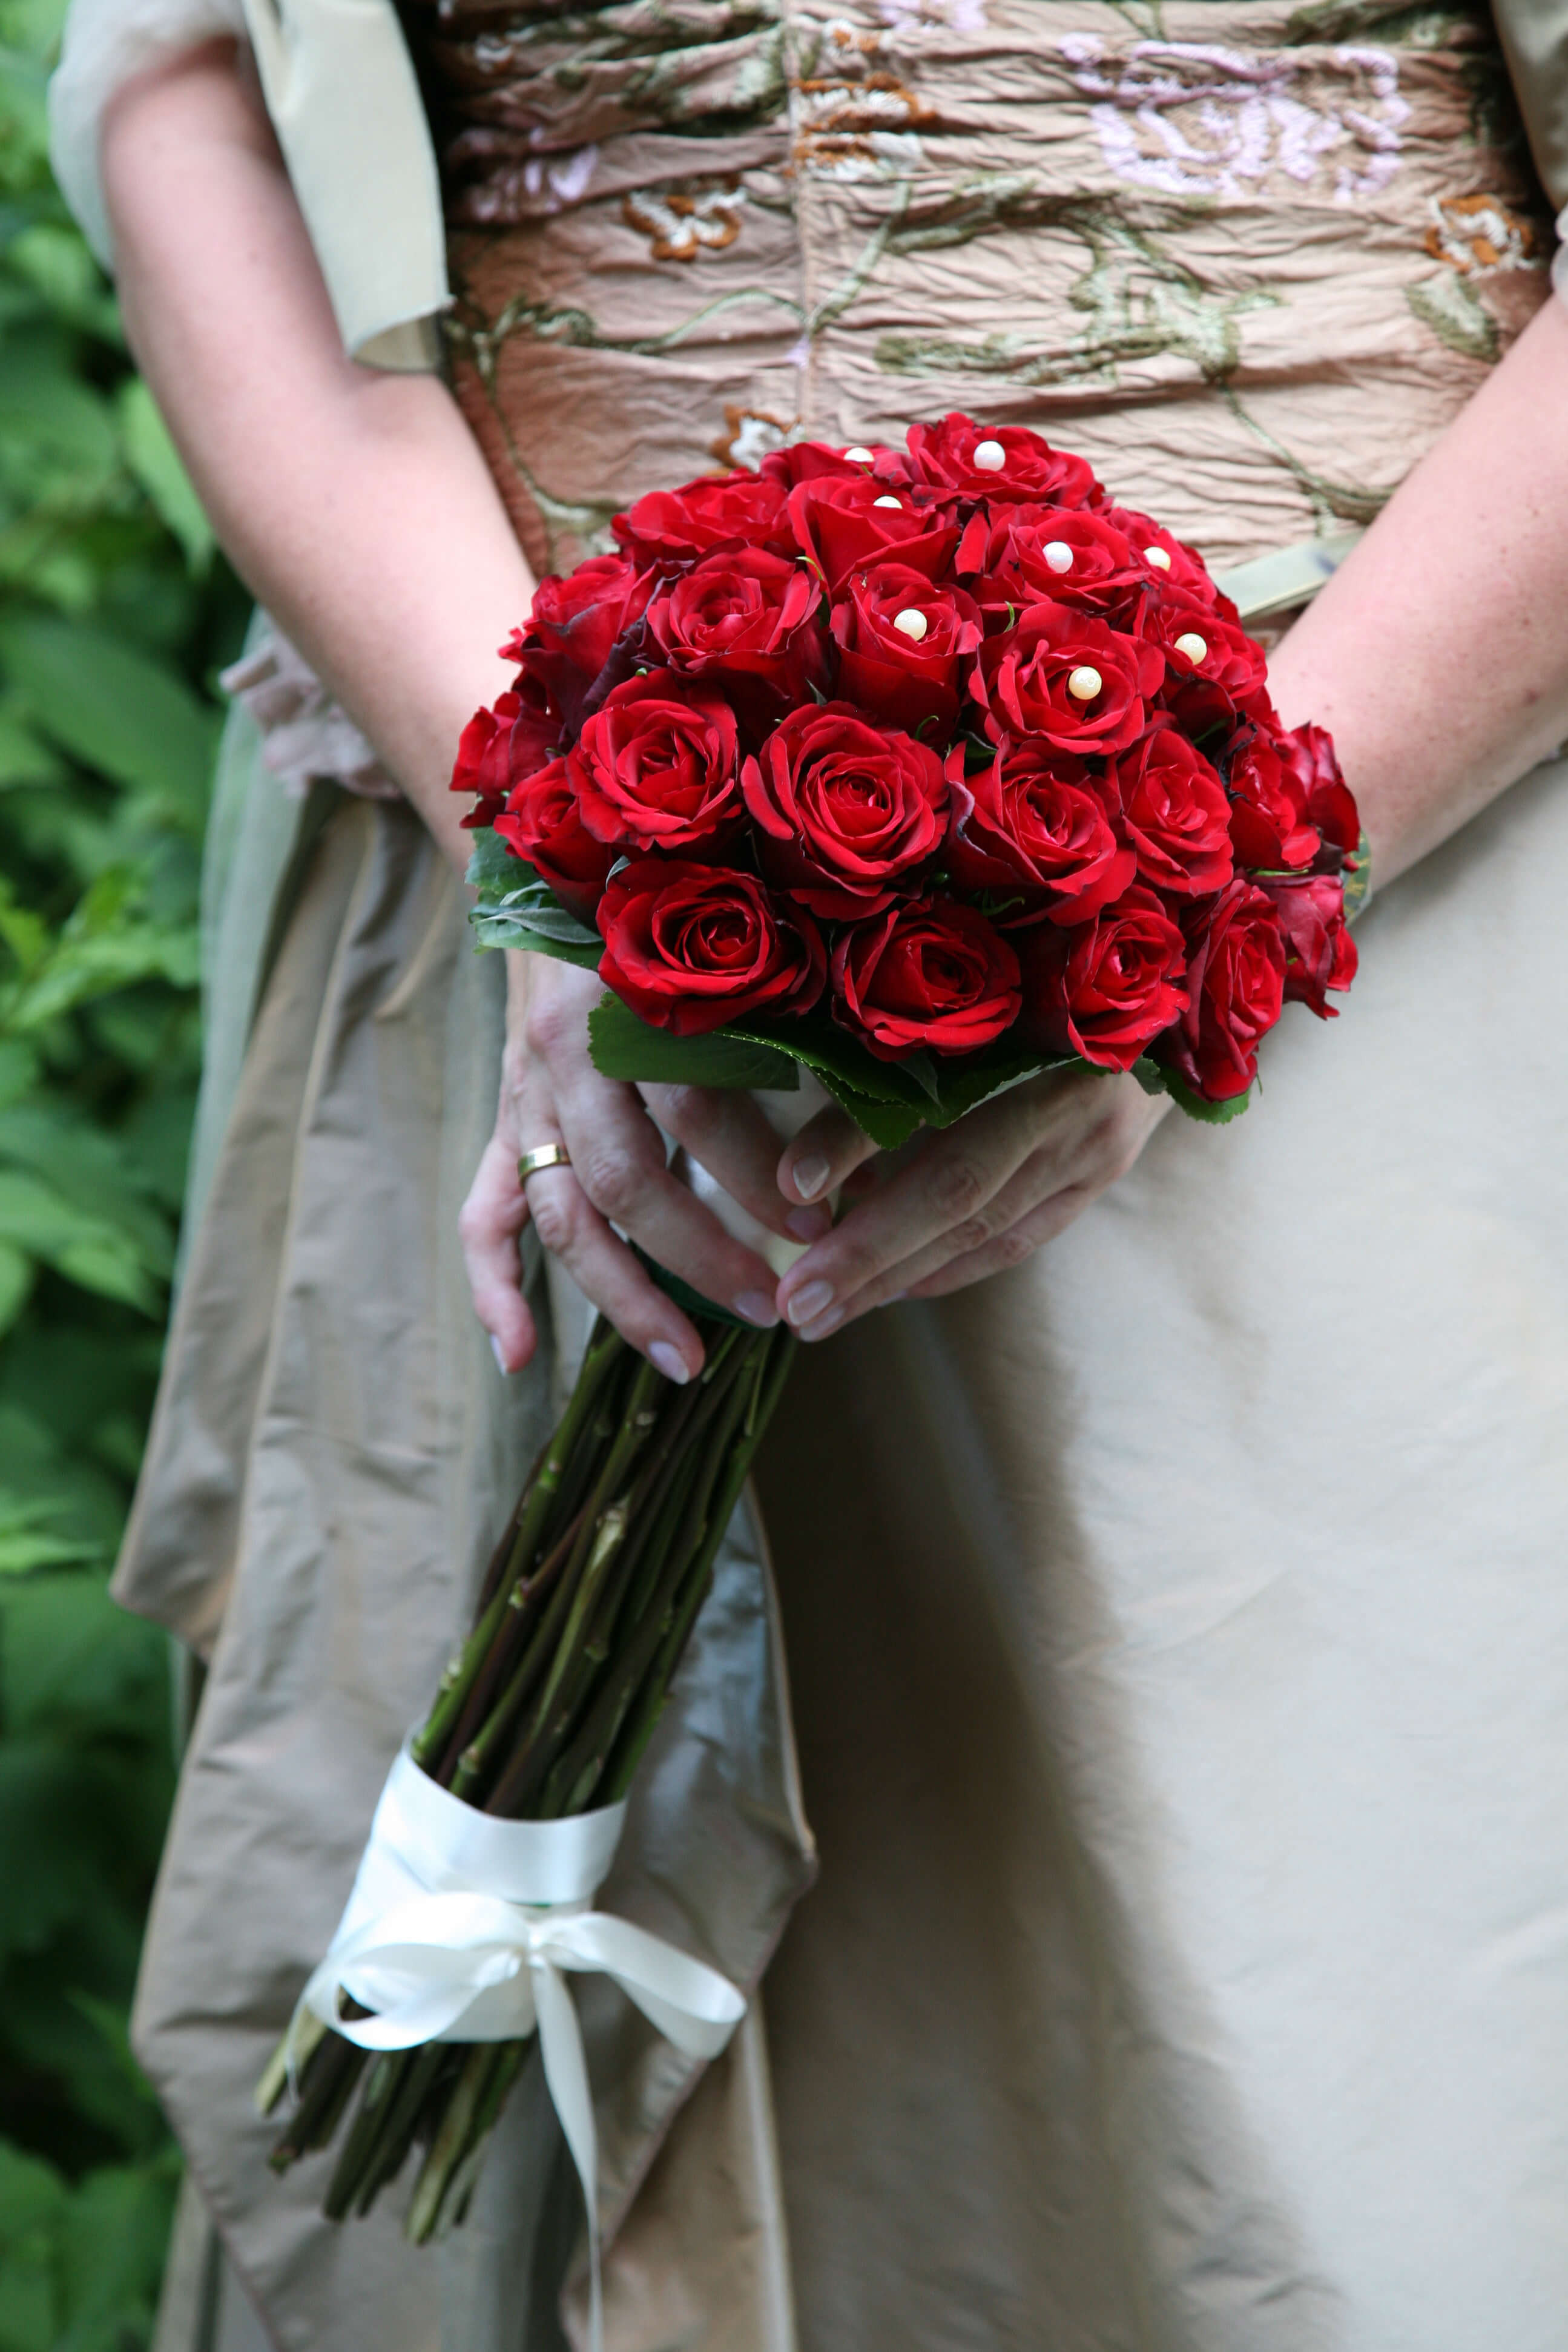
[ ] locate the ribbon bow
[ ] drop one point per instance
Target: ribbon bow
(464, 1928)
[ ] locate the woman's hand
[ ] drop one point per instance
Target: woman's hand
(550, 1093)
(961, 1203)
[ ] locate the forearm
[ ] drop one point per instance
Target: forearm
(354, 504)
(1438, 654)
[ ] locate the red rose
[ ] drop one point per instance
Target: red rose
(1309, 752)
(542, 822)
(580, 617)
(1176, 814)
(1032, 679)
(848, 522)
(1168, 561)
(691, 947)
(809, 461)
(518, 734)
(1236, 988)
(1051, 555)
(1107, 987)
(1215, 670)
(739, 510)
(842, 807)
(655, 766)
(1320, 952)
(1033, 827)
(944, 456)
(1268, 824)
(929, 971)
(745, 612)
(902, 640)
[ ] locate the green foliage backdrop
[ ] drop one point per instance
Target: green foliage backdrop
(114, 615)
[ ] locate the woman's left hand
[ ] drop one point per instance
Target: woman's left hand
(962, 1202)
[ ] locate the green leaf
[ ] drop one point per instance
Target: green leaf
(626, 1048)
(1211, 1114)
(515, 908)
(130, 717)
(1150, 1075)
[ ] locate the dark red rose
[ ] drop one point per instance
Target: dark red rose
(945, 457)
(847, 522)
(689, 947)
(1215, 671)
(1034, 828)
(1309, 752)
(1320, 952)
(842, 808)
(655, 767)
(1268, 822)
(518, 734)
(1069, 680)
(902, 640)
(929, 971)
(739, 510)
(542, 823)
(1108, 987)
(1052, 554)
(1170, 562)
(1236, 988)
(1176, 814)
(580, 616)
(745, 612)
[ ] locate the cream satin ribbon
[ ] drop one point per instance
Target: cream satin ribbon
(464, 1928)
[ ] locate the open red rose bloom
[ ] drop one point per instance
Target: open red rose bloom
(936, 751)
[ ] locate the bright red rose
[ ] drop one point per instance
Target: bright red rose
(1215, 671)
(843, 807)
(1309, 752)
(1268, 824)
(655, 767)
(1320, 952)
(809, 461)
(1033, 555)
(580, 616)
(944, 456)
(689, 947)
(739, 510)
(929, 972)
(1236, 988)
(1169, 561)
(743, 611)
(1034, 828)
(902, 640)
(542, 823)
(1068, 679)
(1108, 987)
(845, 522)
(518, 734)
(1176, 814)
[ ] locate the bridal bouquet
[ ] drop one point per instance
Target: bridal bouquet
(927, 770)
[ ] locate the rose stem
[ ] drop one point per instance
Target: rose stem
(325, 2090)
(526, 1605)
(359, 2148)
(458, 2188)
(400, 2121)
(451, 2136)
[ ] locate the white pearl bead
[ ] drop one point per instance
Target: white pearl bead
(912, 621)
(858, 456)
(990, 457)
(1058, 555)
(884, 502)
(1158, 557)
(1084, 683)
(1195, 647)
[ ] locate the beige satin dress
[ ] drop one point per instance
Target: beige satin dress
(1176, 1628)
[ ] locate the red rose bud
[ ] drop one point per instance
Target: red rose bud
(739, 510)
(745, 612)
(1320, 952)
(542, 823)
(1004, 461)
(1069, 680)
(1108, 987)
(1176, 814)
(689, 947)
(901, 641)
(1168, 562)
(580, 617)
(1236, 988)
(1034, 827)
(842, 807)
(848, 522)
(1268, 824)
(929, 971)
(1309, 752)
(655, 766)
(519, 733)
(1054, 555)
(809, 461)
(1213, 669)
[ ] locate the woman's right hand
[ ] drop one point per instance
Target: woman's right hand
(550, 1093)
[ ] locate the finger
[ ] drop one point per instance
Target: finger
(727, 1132)
(489, 1224)
(607, 1274)
(820, 1156)
(1042, 1224)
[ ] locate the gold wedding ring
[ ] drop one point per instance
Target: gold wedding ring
(544, 1155)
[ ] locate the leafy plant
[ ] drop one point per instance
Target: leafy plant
(114, 614)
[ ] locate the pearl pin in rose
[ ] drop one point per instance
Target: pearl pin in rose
(1084, 683)
(1195, 647)
(990, 457)
(911, 623)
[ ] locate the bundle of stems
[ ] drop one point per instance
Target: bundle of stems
(589, 1601)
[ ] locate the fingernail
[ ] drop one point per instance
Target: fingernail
(825, 1324)
(669, 1361)
(808, 1304)
(498, 1353)
(758, 1308)
(809, 1175)
(809, 1225)
(893, 1297)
